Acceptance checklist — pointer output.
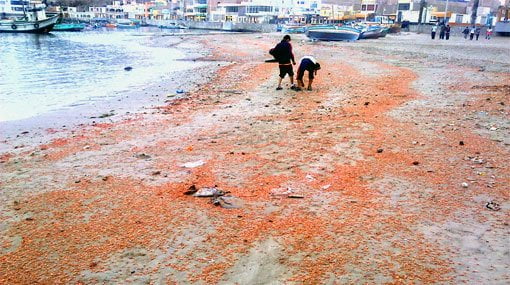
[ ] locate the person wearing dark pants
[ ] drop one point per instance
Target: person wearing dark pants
(477, 32)
(310, 64)
(433, 32)
(447, 32)
(282, 52)
(472, 33)
(466, 32)
(441, 32)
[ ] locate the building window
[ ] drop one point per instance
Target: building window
(234, 9)
(458, 18)
(404, 6)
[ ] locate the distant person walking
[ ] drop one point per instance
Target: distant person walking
(441, 32)
(282, 52)
(433, 32)
(488, 33)
(310, 64)
(472, 33)
(466, 32)
(447, 32)
(477, 32)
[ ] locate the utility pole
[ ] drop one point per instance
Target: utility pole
(446, 13)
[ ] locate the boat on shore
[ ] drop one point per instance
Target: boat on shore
(293, 29)
(338, 34)
(373, 33)
(172, 27)
(25, 19)
(69, 27)
(126, 24)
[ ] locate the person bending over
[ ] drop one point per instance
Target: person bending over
(310, 64)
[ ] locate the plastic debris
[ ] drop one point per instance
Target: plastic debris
(228, 202)
(208, 192)
(464, 185)
(493, 206)
(193, 164)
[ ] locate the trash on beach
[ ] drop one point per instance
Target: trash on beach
(232, 91)
(285, 192)
(325, 187)
(142, 156)
(191, 190)
(309, 178)
(179, 91)
(493, 206)
(193, 164)
(208, 192)
(464, 185)
(128, 68)
(296, 196)
(228, 202)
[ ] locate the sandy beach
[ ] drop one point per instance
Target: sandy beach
(393, 170)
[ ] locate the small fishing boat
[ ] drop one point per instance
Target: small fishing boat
(172, 27)
(110, 25)
(372, 33)
(126, 24)
(320, 27)
(293, 29)
(69, 27)
(338, 34)
(25, 19)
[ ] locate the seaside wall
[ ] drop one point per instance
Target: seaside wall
(220, 26)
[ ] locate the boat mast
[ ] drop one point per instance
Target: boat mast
(24, 12)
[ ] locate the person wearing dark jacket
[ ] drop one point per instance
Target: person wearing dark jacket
(466, 32)
(442, 32)
(282, 52)
(310, 64)
(447, 32)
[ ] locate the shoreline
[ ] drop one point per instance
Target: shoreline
(394, 169)
(122, 104)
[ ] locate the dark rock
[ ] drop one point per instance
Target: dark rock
(366, 103)
(416, 162)
(191, 190)
(379, 150)
(128, 68)
(156, 172)
(461, 143)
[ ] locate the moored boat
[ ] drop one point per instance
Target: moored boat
(24, 19)
(172, 27)
(339, 34)
(371, 34)
(69, 27)
(126, 24)
(293, 29)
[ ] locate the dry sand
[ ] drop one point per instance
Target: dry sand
(395, 154)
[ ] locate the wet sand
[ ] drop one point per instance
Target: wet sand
(381, 174)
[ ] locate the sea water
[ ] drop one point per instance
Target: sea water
(44, 73)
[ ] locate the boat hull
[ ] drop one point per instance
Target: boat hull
(68, 27)
(374, 34)
(34, 27)
(333, 35)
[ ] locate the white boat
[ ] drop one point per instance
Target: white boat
(25, 17)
